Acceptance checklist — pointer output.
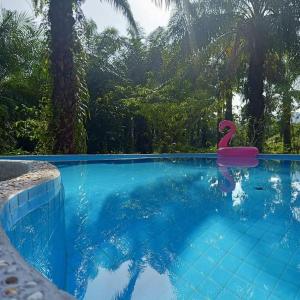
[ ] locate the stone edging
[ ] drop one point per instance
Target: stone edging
(17, 279)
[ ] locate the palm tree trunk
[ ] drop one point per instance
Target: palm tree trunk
(231, 70)
(219, 119)
(286, 123)
(256, 105)
(228, 100)
(64, 75)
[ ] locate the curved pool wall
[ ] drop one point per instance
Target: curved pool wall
(39, 189)
(36, 186)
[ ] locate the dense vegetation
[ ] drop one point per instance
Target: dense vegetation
(66, 88)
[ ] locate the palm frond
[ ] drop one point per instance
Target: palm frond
(124, 7)
(39, 5)
(168, 3)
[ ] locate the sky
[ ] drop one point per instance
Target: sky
(147, 15)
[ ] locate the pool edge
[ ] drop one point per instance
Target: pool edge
(17, 278)
(104, 157)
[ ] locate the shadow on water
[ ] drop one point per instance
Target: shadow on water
(148, 226)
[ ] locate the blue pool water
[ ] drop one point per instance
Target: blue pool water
(169, 229)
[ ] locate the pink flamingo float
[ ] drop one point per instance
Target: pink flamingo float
(228, 157)
(233, 152)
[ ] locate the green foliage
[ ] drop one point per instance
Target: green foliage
(23, 82)
(165, 92)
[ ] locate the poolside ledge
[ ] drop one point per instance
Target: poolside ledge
(20, 182)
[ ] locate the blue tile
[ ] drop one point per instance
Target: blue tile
(225, 243)
(230, 263)
(227, 295)
(265, 281)
(210, 289)
(257, 293)
(239, 286)
(204, 265)
(257, 260)
(274, 297)
(291, 275)
(270, 237)
(274, 267)
(184, 291)
(13, 203)
(247, 271)
(193, 295)
(293, 234)
(295, 260)
(215, 254)
(209, 239)
(278, 228)
(243, 227)
(190, 255)
(22, 198)
(263, 248)
(282, 254)
(178, 268)
(221, 276)
(200, 245)
(249, 242)
(37, 191)
(286, 290)
(259, 226)
(193, 278)
(240, 252)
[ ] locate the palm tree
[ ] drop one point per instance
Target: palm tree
(66, 82)
(19, 43)
(288, 74)
(257, 27)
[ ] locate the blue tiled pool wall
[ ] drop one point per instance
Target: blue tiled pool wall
(34, 222)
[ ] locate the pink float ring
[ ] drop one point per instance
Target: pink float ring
(225, 151)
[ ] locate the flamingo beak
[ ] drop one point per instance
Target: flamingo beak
(221, 127)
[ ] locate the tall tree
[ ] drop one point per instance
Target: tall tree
(66, 83)
(258, 24)
(285, 87)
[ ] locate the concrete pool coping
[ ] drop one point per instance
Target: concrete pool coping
(18, 280)
(32, 175)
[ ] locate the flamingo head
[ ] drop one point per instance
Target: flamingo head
(227, 124)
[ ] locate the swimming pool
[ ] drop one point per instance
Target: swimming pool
(169, 229)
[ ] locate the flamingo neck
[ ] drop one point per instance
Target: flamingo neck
(227, 138)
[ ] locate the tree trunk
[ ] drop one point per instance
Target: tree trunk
(255, 84)
(64, 75)
(231, 70)
(219, 119)
(286, 123)
(228, 101)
